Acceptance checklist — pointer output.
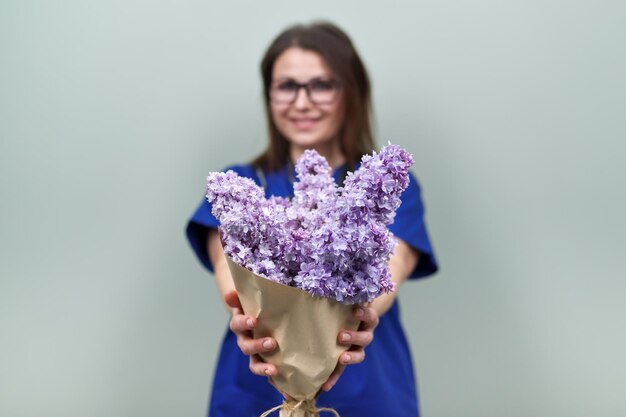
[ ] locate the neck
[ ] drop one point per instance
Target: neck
(330, 151)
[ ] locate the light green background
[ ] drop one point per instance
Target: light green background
(113, 112)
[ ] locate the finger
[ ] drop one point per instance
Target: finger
(258, 367)
(368, 317)
(359, 338)
(333, 378)
(241, 323)
(255, 346)
(352, 357)
(232, 300)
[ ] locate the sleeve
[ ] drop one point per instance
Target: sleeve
(197, 232)
(202, 220)
(409, 225)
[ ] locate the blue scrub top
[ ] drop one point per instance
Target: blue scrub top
(383, 385)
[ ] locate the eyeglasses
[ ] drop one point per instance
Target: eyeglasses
(319, 91)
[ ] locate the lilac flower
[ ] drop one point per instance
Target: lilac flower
(329, 241)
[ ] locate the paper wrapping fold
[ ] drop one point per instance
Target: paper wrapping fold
(304, 326)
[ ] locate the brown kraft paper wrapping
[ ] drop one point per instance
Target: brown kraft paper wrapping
(306, 330)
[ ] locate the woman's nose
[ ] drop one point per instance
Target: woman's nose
(302, 99)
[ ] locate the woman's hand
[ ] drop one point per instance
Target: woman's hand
(242, 325)
(356, 340)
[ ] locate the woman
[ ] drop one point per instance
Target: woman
(317, 96)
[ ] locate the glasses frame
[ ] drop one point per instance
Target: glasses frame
(307, 87)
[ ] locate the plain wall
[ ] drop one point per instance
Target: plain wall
(113, 112)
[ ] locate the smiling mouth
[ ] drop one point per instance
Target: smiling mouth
(304, 124)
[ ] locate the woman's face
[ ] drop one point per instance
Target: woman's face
(304, 123)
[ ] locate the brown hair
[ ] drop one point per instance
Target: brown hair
(355, 133)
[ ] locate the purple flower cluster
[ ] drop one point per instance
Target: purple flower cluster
(329, 241)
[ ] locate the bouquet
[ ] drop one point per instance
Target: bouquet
(300, 265)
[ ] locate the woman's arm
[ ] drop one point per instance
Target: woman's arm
(241, 324)
(402, 262)
(223, 279)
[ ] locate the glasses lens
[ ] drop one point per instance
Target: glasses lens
(284, 92)
(322, 91)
